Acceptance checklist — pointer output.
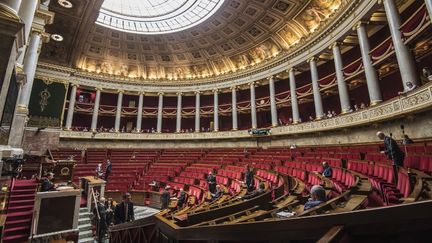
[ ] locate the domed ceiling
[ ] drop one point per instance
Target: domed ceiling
(119, 38)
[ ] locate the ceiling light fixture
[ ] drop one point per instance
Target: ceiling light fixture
(65, 3)
(57, 37)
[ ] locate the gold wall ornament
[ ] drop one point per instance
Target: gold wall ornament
(45, 95)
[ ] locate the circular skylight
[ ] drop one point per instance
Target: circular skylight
(155, 16)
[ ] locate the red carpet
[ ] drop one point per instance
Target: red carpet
(20, 211)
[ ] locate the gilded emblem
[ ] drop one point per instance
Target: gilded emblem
(45, 95)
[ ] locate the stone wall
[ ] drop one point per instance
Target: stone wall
(37, 142)
(417, 126)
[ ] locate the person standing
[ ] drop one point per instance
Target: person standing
(99, 213)
(393, 152)
(47, 184)
(249, 178)
(98, 171)
(327, 170)
(181, 199)
(108, 169)
(124, 212)
(165, 198)
(211, 180)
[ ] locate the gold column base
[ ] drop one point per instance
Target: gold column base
(234, 129)
(318, 118)
(375, 102)
(275, 125)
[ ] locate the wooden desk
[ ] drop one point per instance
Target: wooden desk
(88, 183)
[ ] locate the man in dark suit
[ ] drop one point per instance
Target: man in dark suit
(249, 178)
(259, 191)
(47, 184)
(211, 180)
(393, 152)
(124, 212)
(100, 216)
(165, 198)
(181, 199)
(108, 169)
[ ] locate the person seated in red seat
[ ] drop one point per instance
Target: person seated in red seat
(124, 211)
(165, 198)
(47, 184)
(181, 199)
(327, 170)
(259, 191)
(218, 193)
(318, 196)
(211, 180)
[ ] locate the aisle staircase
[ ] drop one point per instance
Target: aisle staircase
(85, 227)
(20, 211)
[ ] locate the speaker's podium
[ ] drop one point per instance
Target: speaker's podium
(56, 215)
(92, 185)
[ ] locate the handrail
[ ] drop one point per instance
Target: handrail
(95, 203)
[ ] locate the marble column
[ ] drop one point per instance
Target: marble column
(160, 113)
(71, 109)
(234, 108)
(342, 86)
(215, 110)
(253, 105)
(20, 118)
(197, 111)
(273, 107)
(118, 111)
(294, 101)
(13, 4)
(179, 112)
(140, 112)
(95, 116)
(319, 110)
(429, 8)
(27, 12)
(405, 59)
(370, 72)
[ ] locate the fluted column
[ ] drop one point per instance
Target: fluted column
(27, 12)
(370, 72)
(342, 86)
(234, 108)
(294, 101)
(197, 111)
(118, 111)
(253, 106)
(429, 8)
(140, 111)
(95, 110)
(71, 109)
(273, 107)
(319, 110)
(20, 118)
(13, 4)
(404, 56)
(215, 110)
(179, 112)
(160, 114)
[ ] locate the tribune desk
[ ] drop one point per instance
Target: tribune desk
(88, 183)
(56, 215)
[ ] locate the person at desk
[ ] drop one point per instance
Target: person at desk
(124, 212)
(261, 190)
(318, 196)
(218, 193)
(181, 199)
(211, 180)
(165, 198)
(47, 184)
(327, 170)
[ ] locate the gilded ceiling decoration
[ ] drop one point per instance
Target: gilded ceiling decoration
(239, 35)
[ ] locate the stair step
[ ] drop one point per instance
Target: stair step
(23, 230)
(86, 234)
(21, 202)
(84, 227)
(17, 222)
(86, 240)
(15, 238)
(24, 190)
(20, 208)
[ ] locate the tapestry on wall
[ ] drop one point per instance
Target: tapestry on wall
(46, 103)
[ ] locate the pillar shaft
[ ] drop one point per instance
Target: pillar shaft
(294, 101)
(342, 86)
(429, 8)
(404, 56)
(234, 109)
(118, 111)
(215, 111)
(273, 107)
(140, 112)
(160, 115)
(27, 12)
(370, 72)
(71, 108)
(179, 112)
(13, 4)
(319, 110)
(95, 111)
(253, 106)
(197, 111)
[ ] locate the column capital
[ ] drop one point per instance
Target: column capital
(336, 44)
(75, 85)
(160, 93)
(253, 83)
(215, 90)
(120, 91)
(234, 88)
(271, 78)
(141, 92)
(197, 92)
(292, 69)
(312, 59)
(179, 93)
(359, 24)
(98, 89)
